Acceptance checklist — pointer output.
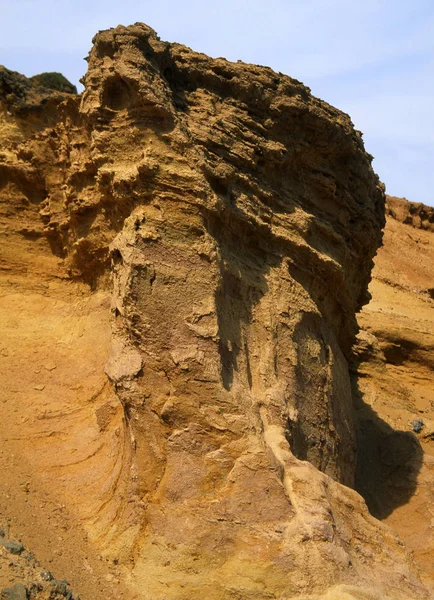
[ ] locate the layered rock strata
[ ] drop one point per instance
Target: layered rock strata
(233, 219)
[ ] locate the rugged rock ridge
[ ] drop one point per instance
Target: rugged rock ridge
(411, 213)
(239, 217)
(21, 95)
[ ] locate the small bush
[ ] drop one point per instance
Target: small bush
(54, 81)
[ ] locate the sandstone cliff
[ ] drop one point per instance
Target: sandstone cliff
(184, 249)
(395, 398)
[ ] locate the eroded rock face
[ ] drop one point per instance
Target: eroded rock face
(247, 198)
(238, 217)
(395, 387)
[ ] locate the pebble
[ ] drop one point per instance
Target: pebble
(417, 425)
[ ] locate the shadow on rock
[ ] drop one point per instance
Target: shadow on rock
(388, 461)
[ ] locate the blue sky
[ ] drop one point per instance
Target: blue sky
(373, 59)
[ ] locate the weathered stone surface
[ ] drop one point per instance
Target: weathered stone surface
(234, 218)
(16, 592)
(24, 97)
(12, 546)
(415, 214)
(395, 387)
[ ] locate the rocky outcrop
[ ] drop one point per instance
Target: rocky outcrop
(415, 214)
(394, 394)
(233, 219)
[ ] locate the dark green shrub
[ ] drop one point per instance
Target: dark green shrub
(54, 81)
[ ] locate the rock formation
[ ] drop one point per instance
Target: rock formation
(394, 395)
(187, 244)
